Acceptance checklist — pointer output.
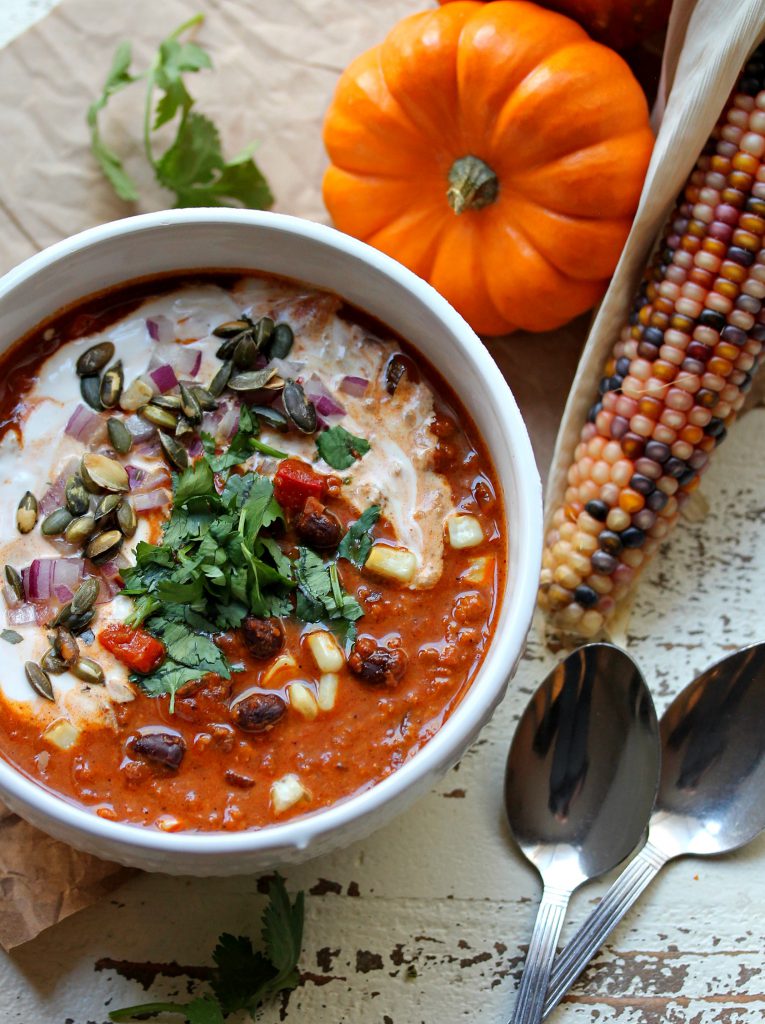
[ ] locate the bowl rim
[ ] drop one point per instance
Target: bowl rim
(484, 693)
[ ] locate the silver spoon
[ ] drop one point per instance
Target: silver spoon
(581, 780)
(711, 796)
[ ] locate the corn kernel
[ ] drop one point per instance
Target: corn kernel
(281, 664)
(286, 792)
(479, 570)
(62, 734)
(326, 651)
(464, 531)
(393, 563)
(327, 693)
(302, 699)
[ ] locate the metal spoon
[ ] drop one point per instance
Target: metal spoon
(581, 780)
(711, 797)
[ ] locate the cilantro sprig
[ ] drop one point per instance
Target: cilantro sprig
(193, 166)
(357, 542)
(320, 596)
(340, 448)
(243, 978)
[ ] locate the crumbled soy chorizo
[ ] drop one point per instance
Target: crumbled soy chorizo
(259, 712)
(378, 666)
(264, 637)
(317, 526)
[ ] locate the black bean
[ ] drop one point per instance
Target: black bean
(264, 637)
(317, 526)
(378, 666)
(161, 747)
(259, 712)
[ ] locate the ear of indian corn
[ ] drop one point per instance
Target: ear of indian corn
(676, 378)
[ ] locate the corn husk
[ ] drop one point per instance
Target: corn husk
(708, 43)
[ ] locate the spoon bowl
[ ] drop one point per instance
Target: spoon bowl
(581, 779)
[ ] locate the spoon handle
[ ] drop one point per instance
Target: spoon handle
(602, 921)
(539, 959)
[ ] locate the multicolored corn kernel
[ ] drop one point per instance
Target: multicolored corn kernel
(675, 380)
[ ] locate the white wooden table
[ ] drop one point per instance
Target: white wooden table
(427, 921)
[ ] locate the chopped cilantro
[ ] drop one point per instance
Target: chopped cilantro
(243, 978)
(320, 595)
(243, 444)
(357, 543)
(339, 448)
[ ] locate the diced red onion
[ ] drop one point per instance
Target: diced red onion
(135, 475)
(286, 367)
(84, 424)
(24, 615)
(157, 478)
(164, 377)
(45, 611)
(54, 496)
(108, 575)
(228, 423)
(184, 360)
(322, 398)
(140, 429)
(355, 386)
(45, 574)
(149, 449)
(195, 448)
(63, 594)
(67, 572)
(158, 498)
(160, 328)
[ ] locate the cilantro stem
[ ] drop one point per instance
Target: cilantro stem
(266, 449)
(131, 1012)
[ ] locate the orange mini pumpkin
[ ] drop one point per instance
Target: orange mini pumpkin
(497, 151)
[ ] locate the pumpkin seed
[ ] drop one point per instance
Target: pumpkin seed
(15, 582)
(79, 623)
(126, 519)
(264, 328)
(90, 389)
(205, 399)
(394, 371)
(108, 504)
(51, 663)
(232, 328)
(94, 359)
(78, 531)
(62, 615)
(218, 384)
(55, 524)
(102, 547)
(166, 401)
(77, 498)
(89, 671)
(104, 473)
(159, 417)
(85, 596)
(252, 380)
(300, 410)
(26, 513)
(281, 341)
(183, 428)
(246, 353)
(135, 395)
(119, 435)
(176, 454)
(111, 385)
(271, 417)
(192, 410)
(39, 680)
(227, 349)
(65, 646)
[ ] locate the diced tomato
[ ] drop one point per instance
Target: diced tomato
(295, 482)
(136, 648)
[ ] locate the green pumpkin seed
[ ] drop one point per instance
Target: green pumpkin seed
(183, 427)
(111, 385)
(26, 513)
(104, 473)
(108, 504)
(119, 435)
(192, 410)
(65, 646)
(394, 371)
(90, 389)
(78, 531)
(232, 328)
(227, 349)
(300, 410)
(159, 417)
(166, 401)
(246, 352)
(85, 596)
(79, 623)
(94, 359)
(176, 454)
(126, 519)
(252, 380)
(39, 680)
(218, 384)
(271, 417)
(77, 498)
(135, 395)
(102, 547)
(264, 328)
(51, 663)
(89, 671)
(281, 341)
(62, 615)
(55, 524)
(15, 582)
(205, 399)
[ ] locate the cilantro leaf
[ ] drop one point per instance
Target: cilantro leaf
(118, 77)
(321, 596)
(283, 934)
(198, 1011)
(196, 482)
(339, 448)
(357, 543)
(240, 972)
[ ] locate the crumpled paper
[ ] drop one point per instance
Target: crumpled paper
(276, 65)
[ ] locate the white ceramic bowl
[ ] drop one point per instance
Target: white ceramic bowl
(200, 239)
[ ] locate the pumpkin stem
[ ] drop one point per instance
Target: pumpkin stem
(472, 184)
